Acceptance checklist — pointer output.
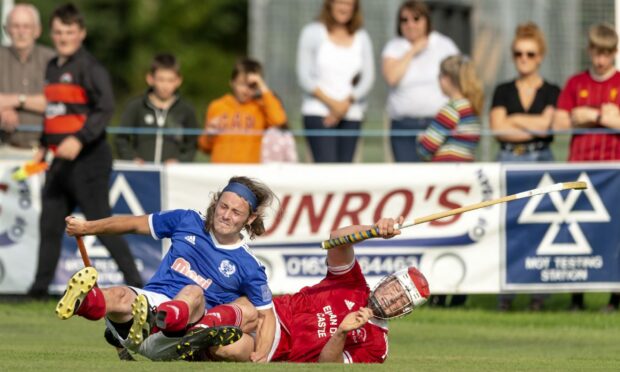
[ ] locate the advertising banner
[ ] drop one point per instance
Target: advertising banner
(563, 241)
(458, 254)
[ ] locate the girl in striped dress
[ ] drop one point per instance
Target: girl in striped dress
(454, 133)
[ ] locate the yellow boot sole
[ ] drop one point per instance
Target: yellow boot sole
(77, 288)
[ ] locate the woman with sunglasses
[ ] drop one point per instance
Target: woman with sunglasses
(522, 109)
(335, 70)
(521, 116)
(410, 68)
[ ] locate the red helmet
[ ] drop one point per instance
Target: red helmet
(397, 294)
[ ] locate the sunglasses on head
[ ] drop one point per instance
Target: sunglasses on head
(519, 54)
(414, 19)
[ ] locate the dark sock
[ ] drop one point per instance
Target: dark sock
(122, 328)
(614, 300)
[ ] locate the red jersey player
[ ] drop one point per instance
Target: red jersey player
(339, 319)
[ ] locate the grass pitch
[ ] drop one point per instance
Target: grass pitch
(476, 338)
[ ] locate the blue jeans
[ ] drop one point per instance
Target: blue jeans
(506, 156)
(332, 149)
(404, 147)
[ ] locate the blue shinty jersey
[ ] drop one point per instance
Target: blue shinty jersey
(225, 272)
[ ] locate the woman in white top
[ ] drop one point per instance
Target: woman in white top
(335, 70)
(410, 67)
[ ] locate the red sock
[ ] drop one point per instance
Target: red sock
(93, 306)
(174, 314)
(222, 315)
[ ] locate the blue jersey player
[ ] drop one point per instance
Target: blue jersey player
(208, 266)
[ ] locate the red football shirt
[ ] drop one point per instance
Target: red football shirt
(582, 90)
(310, 316)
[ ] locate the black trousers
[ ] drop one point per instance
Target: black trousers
(82, 183)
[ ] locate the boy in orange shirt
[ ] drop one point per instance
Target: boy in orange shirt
(235, 122)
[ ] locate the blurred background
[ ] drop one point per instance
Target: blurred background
(208, 35)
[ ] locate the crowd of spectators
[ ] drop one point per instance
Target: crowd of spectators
(434, 106)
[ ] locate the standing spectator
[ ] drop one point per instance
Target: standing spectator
(336, 72)
(521, 114)
(590, 99)
(161, 107)
(22, 71)
(455, 132)
(235, 122)
(80, 104)
(410, 67)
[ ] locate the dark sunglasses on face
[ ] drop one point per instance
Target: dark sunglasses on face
(414, 19)
(519, 54)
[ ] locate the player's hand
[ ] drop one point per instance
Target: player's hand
(75, 226)
(69, 148)
(386, 226)
(355, 320)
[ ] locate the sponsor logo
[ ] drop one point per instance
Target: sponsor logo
(326, 322)
(565, 214)
(55, 109)
(149, 119)
(359, 335)
(183, 267)
(227, 268)
(66, 78)
(372, 265)
(349, 304)
(15, 204)
(191, 239)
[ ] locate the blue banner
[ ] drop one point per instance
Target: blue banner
(564, 240)
(132, 192)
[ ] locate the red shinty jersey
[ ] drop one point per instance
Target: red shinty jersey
(582, 90)
(310, 316)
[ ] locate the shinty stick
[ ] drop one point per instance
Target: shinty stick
(374, 232)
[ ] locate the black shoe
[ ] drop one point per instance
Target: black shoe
(201, 338)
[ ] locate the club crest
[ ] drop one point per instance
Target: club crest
(227, 268)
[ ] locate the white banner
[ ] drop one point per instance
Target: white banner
(459, 254)
(20, 206)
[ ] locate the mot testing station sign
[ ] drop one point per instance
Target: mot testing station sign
(568, 240)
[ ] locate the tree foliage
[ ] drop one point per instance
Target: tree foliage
(206, 35)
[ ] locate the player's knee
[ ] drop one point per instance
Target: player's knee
(118, 300)
(193, 294)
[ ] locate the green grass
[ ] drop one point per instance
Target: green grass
(476, 338)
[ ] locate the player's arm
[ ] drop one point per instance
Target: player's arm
(343, 255)
(333, 350)
(265, 333)
(114, 225)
